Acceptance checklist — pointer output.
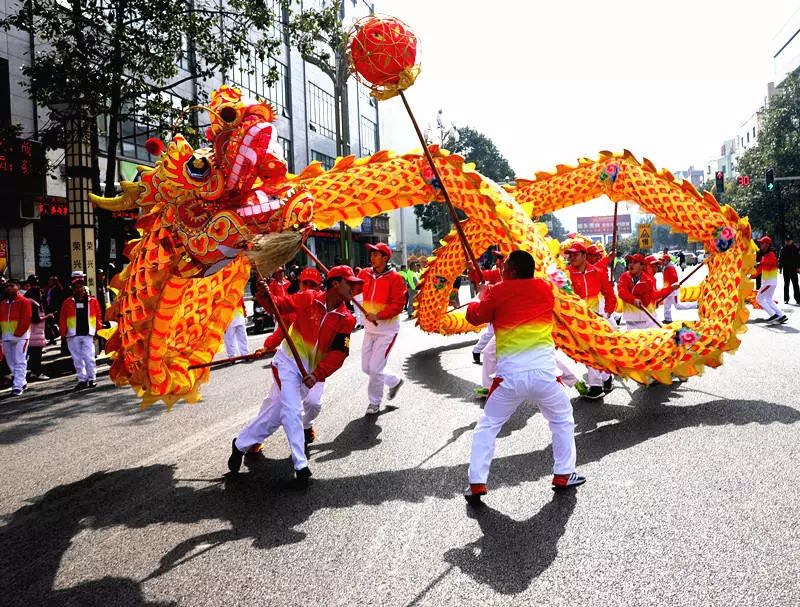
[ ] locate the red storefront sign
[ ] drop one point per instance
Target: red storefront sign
(599, 225)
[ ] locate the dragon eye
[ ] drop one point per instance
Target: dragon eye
(228, 114)
(198, 168)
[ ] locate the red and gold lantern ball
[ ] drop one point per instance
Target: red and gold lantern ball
(383, 51)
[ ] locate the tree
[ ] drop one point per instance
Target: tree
(474, 147)
(120, 59)
(774, 212)
(554, 226)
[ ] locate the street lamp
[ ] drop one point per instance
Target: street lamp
(78, 165)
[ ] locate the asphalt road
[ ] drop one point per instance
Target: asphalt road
(693, 495)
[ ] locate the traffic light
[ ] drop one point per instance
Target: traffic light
(769, 179)
(720, 176)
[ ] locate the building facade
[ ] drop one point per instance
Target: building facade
(34, 224)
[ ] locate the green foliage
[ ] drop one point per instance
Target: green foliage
(475, 147)
(776, 213)
(123, 58)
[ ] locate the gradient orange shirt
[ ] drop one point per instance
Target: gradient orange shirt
(521, 311)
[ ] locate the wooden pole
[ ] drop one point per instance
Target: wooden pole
(316, 260)
(453, 215)
(613, 244)
(284, 329)
(650, 316)
(223, 361)
(684, 279)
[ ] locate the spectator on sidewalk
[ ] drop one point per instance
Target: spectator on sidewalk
(79, 322)
(15, 320)
(53, 300)
(104, 295)
(788, 264)
(38, 339)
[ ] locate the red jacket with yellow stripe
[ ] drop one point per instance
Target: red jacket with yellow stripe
(15, 318)
(589, 284)
(385, 296)
(645, 290)
(521, 311)
(68, 321)
(322, 337)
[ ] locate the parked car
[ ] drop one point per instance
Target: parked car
(689, 257)
(701, 256)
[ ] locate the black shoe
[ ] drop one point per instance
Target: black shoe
(476, 358)
(91, 383)
(594, 393)
(474, 492)
(393, 390)
(770, 319)
(235, 460)
(302, 478)
(81, 385)
(608, 385)
(782, 320)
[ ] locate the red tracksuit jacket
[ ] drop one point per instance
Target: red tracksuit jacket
(589, 284)
(322, 338)
(384, 295)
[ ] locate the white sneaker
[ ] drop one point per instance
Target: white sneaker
(373, 409)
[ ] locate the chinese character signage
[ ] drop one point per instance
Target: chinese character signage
(3, 256)
(600, 225)
(21, 167)
(53, 206)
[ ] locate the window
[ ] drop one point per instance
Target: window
(325, 160)
(286, 146)
(185, 60)
(321, 111)
(368, 136)
(135, 131)
(754, 132)
(251, 76)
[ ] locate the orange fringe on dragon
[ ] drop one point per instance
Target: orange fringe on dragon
(201, 209)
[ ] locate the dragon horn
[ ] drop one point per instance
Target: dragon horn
(127, 200)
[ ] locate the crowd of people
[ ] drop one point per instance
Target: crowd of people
(34, 315)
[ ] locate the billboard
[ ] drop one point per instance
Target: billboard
(599, 225)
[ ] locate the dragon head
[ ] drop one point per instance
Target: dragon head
(214, 200)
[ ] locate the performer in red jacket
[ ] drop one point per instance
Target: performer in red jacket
(384, 300)
(589, 282)
(15, 318)
(672, 300)
(521, 310)
(638, 292)
(321, 333)
(80, 320)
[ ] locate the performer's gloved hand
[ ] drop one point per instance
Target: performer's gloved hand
(310, 381)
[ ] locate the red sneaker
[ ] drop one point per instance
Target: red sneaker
(474, 492)
(564, 481)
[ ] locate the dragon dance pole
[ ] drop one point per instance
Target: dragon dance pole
(613, 244)
(453, 215)
(223, 361)
(650, 316)
(685, 278)
(316, 260)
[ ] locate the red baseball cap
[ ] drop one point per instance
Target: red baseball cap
(652, 259)
(312, 275)
(576, 247)
(636, 258)
(765, 240)
(594, 250)
(382, 248)
(345, 272)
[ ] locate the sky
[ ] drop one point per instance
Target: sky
(549, 82)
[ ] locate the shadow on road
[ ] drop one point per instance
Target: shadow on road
(25, 418)
(425, 368)
(360, 434)
(36, 536)
(511, 554)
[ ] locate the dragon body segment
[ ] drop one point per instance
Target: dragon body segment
(202, 209)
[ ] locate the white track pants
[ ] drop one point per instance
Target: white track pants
(357, 312)
(566, 369)
(765, 300)
(236, 340)
(483, 340)
(16, 353)
(489, 363)
(672, 301)
(374, 354)
(540, 387)
(281, 407)
(81, 347)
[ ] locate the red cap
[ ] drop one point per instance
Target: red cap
(594, 250)
(345, 272)
(576, 247)
(382, 248)
(636, 258)
(652, 259)
(311, 274)
(765, 240)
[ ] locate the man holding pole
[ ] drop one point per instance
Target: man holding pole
(315, 347)
(589, 282)
(384, 300)
(672, 300)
